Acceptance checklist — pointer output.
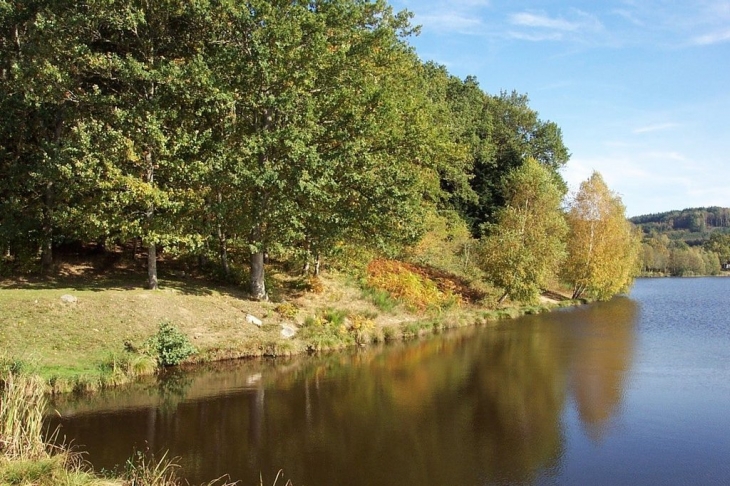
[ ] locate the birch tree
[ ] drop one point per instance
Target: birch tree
(524, 248)
(603, 246)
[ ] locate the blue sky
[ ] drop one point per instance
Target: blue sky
(640, 88)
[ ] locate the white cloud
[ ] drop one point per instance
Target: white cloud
(454, 22)
(539, 26)
(534, 36)
(628, 15)
(527, 19)
(713, 38)
(655, 128)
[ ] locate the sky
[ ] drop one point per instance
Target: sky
(639, 88)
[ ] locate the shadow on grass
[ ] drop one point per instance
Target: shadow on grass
(98, 275)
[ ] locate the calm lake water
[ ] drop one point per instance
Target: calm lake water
(633, 391)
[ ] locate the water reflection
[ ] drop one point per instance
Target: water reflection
(482, 406)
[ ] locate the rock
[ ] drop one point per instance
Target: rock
(69, 299)
(288, 331)
(254, 320)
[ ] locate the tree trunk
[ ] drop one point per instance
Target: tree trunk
(152, 266)
(578, 291)
(258, 286)
(151, 246)
(223, 252)
(47, 243)
(502, 299)
(316, 265)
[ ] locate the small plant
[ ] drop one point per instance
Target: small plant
(390, 333)
(363, 330)
(15, 366)
(142, 469)
(276, 480)
(170, 345)
(287, 310)
(381, 299)
(326, 330)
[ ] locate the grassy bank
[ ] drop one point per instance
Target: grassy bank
(83, 331)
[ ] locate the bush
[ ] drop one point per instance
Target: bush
(170, 345)
(326, 330)
(411, 285)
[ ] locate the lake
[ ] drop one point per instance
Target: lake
(632, 391)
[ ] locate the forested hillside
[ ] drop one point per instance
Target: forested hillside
(229, 131)
(694, 241)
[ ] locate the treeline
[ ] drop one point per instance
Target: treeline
(663, 256)
(694, 241)
(694, 220)
(217, 128)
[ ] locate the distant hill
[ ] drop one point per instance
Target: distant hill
(692, 225)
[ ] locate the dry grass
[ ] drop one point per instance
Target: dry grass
(82, 346)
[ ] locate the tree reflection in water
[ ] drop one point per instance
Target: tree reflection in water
(480, 406)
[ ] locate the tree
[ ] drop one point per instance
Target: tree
(143, 87)
(324, 140)
(511, 133)
(719, 243)
(525, 246)
(603, 247)
(37, 101)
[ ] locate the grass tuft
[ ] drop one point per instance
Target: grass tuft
(21, 417)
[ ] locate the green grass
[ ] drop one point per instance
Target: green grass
(380, 298)
(68, 344)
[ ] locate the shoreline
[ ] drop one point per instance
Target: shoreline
(84, 346)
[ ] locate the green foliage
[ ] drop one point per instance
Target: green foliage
(169, 345)
(446, 245)
(335, 328)
(691, 219)
(232, 129)
(326, 330)
(678, 252)
(720, 245)
(500, 132)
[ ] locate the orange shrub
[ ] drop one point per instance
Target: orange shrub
(411, 285)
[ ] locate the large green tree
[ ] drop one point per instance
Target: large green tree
(525, 246)
(37, 101)
(603, 246)
(328, 136)
(144, 92)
